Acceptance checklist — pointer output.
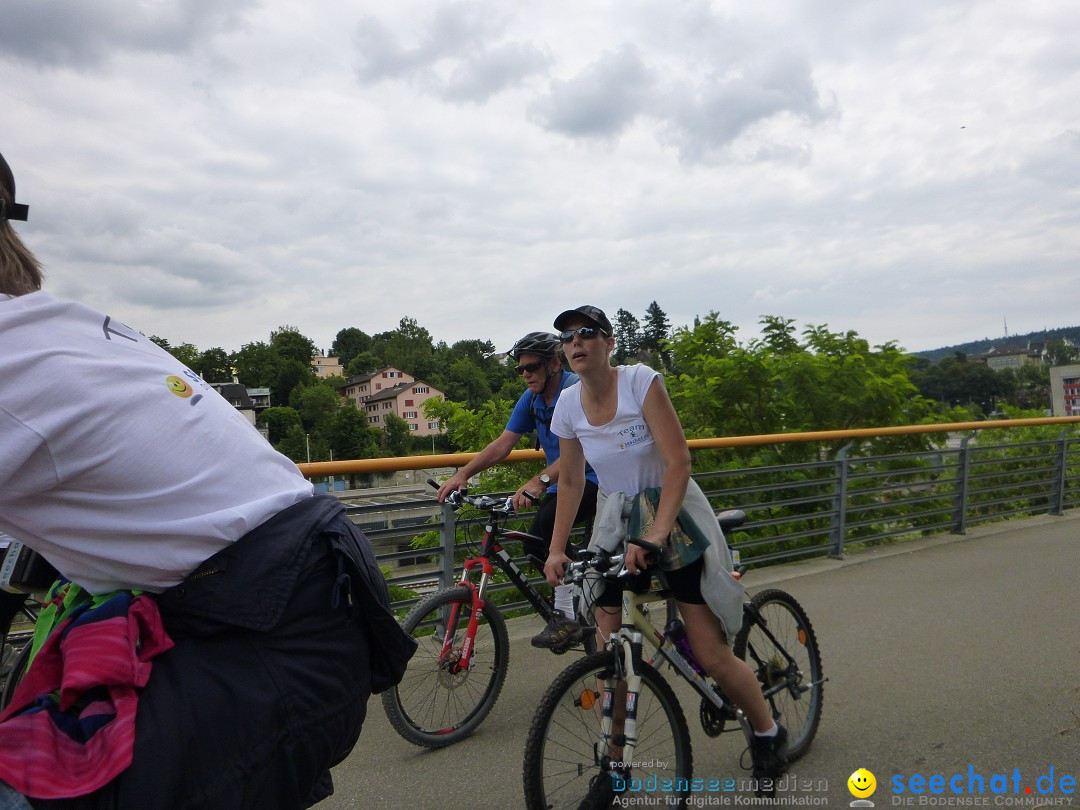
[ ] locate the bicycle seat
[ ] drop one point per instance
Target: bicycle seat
(731, 518)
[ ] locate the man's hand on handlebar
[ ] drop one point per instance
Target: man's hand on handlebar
(524, 499)
(555, 567)
(453, 484)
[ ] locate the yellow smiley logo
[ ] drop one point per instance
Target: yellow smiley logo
(178, 386)
(861, 783)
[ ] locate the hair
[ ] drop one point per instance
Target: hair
(20, 271)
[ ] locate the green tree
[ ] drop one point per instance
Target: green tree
(363, 363)
(1060, 353)
(256, 365)
(958, 381)
(655, 332)
(290, 374)
(351, 436)
(778, 384)
(186, 353)
(279, 421)
(350, 342)
(628, 336)
(317, 405)
(289, 344)
(397, 437)
(409, 348)
(214, 366)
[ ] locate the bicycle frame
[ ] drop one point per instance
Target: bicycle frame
(629, 640)
(492, 555)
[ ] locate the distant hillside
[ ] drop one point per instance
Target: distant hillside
(981, 346)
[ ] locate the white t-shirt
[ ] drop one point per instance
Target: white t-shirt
(117, 463)
(622, 452)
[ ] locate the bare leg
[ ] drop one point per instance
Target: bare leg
(716, 657)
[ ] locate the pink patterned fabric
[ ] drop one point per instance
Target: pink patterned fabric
(70, 727)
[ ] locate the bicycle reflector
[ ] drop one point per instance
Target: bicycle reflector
(802, 636)
(588, 699)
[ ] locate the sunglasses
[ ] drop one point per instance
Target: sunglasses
(584, 332)
(532, 368)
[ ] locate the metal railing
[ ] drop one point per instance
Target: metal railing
(795, 511)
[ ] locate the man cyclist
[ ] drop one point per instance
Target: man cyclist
(538, 360)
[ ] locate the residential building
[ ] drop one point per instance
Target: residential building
(327, 366)
(1065, 390)
(358, 388)
(405, 401)
(1002, 357)
(391, 390)
(237, 396)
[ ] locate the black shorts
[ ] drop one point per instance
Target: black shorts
(684, 584)
(544, 522)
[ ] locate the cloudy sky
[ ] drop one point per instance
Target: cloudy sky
(208, 170)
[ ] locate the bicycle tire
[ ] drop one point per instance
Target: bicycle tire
(434, 706)
(797, 707)
(560, 762)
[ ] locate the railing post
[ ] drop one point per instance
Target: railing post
(447, 541)
(960, 510)
(1058, 508)
(839, 523)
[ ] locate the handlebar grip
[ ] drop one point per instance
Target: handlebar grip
(529, 496)
(645, 544)
(432, 482)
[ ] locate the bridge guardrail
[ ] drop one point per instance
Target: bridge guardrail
(795, 511)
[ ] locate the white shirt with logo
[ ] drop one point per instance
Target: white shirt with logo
(118, 463)
(622, 452)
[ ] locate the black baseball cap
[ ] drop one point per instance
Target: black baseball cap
(10, 210)
(591, 313)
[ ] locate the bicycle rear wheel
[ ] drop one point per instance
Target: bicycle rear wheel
(436, 703)
(781, 648)
(561, 766)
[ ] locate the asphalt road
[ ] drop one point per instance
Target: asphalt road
(952, 655)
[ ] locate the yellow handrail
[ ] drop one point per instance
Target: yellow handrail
(395, 463)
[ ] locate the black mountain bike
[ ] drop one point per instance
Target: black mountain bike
(455, 677)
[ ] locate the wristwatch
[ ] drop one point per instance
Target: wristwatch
(545, 479)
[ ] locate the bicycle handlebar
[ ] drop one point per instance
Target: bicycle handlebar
(602, 562)
(503, 506)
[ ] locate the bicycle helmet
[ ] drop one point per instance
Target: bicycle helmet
(543, 344)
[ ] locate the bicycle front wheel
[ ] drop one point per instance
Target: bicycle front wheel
(439, 702)
(782, 649)
(562, 751)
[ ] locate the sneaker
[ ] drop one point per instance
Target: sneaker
(601, 795)
(769, 755)
(560, 633)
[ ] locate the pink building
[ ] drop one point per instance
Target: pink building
(391, 390)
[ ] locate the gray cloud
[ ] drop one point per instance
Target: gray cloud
(701, 120)
(73, 33)
(491, 71)
(601, 101)
(452, 58)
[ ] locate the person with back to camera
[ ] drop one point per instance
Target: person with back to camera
(621, 420)
(240, 619)
(538, 361)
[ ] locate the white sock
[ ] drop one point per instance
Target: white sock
(772, 732)
(564, 600)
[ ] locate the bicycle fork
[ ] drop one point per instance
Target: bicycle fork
(459, 662)
(618, 730)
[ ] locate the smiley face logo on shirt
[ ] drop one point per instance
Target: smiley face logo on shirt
(178, 386)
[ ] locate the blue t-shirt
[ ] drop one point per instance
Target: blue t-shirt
(532, 413)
